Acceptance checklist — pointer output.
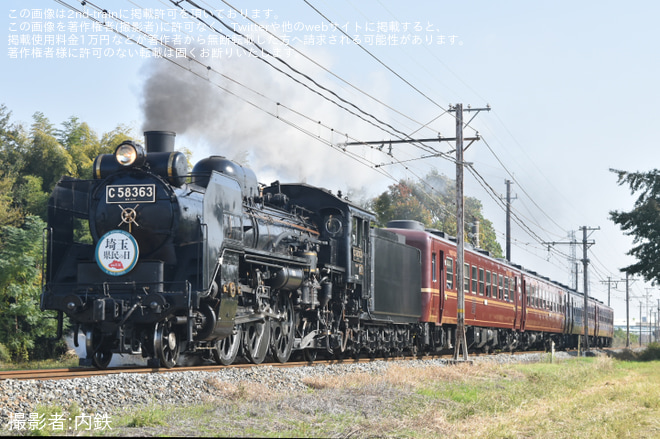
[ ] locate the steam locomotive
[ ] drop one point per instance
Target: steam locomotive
(211, 263)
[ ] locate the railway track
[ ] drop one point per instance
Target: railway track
(83, 372)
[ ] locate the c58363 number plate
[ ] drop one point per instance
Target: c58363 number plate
(133, 193)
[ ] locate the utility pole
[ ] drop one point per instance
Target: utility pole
(461, 341)
(572, 243)
(585, 262)
(609, 283)
(628, 311)
(508, 219)
(573, 261)
(640, 323)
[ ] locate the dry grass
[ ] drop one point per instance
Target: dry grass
(586, 398)
(242, 391)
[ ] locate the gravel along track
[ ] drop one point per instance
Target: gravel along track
(112, 394)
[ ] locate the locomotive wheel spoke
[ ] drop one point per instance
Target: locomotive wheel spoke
(166, 344)
(99, 351)
(226, 350)
(255, 341)
(283, 332)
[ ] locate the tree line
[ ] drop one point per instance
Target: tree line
(32, 160)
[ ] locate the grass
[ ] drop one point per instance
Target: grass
(585, 397)
(62, 363)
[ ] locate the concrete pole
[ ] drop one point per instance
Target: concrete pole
(508, 220)
(461, 342)
(627, 313)
(585, 261)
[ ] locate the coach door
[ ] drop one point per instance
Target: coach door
(568, 314)
(441, 288)
(520, 306)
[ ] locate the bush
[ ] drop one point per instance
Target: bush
(4, 354)
(651, 353)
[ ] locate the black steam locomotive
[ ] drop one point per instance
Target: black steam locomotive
(211, 263)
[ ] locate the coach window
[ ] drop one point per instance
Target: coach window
(530, 294)
(487, 283)
(501, 288)
(450, 273)
(474, 279)
(466, 278)
(481, 281)
(493, 290)
(506, 289)
(434, 266)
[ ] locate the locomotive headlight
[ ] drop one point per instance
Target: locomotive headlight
(130, 154)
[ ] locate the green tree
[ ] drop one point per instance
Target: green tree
(46, 158)
(30, 197)
(82, 144)
(642, 222)
(10, 215)
(12, 144)
(23, 328)
(432, 202)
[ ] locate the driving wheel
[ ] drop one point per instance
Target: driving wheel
(283, 332)
(255, 341)
(226, 350)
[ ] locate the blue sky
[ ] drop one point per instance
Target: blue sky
(572, 86)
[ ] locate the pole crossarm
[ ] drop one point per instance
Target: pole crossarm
(393, 142)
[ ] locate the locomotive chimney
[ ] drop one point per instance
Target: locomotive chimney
(159, 141)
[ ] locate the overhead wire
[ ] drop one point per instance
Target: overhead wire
(379, 123)
(373, 165)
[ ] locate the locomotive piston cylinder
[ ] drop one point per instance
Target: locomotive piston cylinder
(287, 278)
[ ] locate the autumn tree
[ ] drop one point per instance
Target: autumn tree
(642, 222)
(399, 203)
(432, 202)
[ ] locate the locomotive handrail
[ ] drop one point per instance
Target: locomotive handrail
(203, 246)
(46, 246)
(270, 260)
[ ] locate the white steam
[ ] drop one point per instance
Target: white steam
(211, 121)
